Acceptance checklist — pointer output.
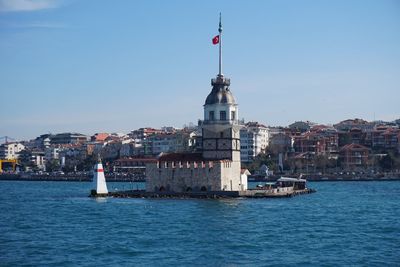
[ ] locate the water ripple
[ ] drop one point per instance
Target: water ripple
(46, 223)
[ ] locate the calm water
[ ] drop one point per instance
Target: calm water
(344, 223)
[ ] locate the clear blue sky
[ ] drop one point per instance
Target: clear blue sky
(92, 66)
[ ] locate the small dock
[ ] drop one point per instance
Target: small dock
(252, 193)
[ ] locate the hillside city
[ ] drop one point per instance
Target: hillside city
(353, 146)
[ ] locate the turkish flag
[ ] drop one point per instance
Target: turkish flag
(215, 40)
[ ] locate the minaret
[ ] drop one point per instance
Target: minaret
(99, 180)
(221, 131)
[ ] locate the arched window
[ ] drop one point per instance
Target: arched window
(162, 188)
(189, 189)
(203, 188)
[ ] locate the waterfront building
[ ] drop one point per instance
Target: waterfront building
(320, 140)
(275, 130)
(133, 148)
(71, 155)
(99, 137)
(143, 133)
(349, 124)
(41, 142)
(254, 138)
(111, 150)
(117, 137)
(38, 159)
(94, 148)
(168, 129)
(380, 138)
(354, 136)
(281, 143)
(354, 156)
(32, 158)
(162, 142)
(217, 167)
(178, 141)
(52, 153)
(68, 138)
(309, 142)
(11, 151)
(385, 138)
(142, 136)
(301, 126)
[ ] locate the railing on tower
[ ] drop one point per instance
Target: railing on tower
(221, 80)
(222, 122)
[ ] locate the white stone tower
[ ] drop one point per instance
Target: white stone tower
(221, 128)
(217, 168)
(99, 180)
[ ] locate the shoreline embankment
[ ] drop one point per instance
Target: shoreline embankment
(88, 178)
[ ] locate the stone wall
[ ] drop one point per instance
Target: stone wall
(193, 176)
(230, 176)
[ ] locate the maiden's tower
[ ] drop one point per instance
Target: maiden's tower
(217, 166)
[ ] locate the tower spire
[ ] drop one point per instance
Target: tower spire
(220, 45)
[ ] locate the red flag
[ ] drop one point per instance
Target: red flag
(215, 40)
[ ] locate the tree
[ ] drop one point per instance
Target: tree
(390, 162)
(321, 162)
(53, 165)
(87, 163)
(259, 160)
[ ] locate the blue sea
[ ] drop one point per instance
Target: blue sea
(57, 224)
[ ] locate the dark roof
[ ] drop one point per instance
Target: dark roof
(220, 93)
(181, 157)
(255, 124)
(223, 96)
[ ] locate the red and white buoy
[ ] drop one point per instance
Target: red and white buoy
(99, 180)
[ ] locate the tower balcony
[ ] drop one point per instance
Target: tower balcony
(221, 122)
(221, 80)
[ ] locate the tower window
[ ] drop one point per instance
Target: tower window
(233, 115)
(222, 115)
(211, 116)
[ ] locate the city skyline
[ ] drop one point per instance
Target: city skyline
(69, 67)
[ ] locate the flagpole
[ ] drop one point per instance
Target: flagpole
(220, 45)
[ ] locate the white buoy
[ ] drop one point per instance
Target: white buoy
(99, 180)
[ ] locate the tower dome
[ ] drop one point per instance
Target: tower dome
(220, 107)
(220, 93)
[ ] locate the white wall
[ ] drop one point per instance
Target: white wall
(221, 107)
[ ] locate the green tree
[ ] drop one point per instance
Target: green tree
(390, 162)
(53, 165)
(260, 160)
(87, 163)
(321, 162)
